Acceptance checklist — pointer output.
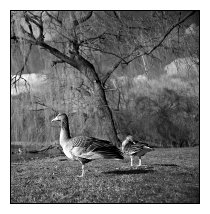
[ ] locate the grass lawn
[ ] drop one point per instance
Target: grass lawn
(172, 176)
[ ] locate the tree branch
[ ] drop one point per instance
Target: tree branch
(101, 36)
(109, 73)
(115, 66)
(53, 18)
(18, 75)
(38, 102)
(59, 54)
(85, 18)
(55, 62)
(123, 60)
(76, 21)
(106, 52)
(37, 20)
(164, 37)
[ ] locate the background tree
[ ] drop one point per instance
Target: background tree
(82, 39)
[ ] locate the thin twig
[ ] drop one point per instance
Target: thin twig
(18, 74)
(164, 37)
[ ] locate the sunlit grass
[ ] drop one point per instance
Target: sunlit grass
(172, 176)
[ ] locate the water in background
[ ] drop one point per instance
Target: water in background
(19, 153)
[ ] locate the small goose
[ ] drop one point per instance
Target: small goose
(19, 151)
(135, 148)
(84, 149)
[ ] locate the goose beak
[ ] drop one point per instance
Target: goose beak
(55, 119)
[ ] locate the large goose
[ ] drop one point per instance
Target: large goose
(84, 149)
(135, 148)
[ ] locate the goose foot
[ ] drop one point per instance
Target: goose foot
(83, 172)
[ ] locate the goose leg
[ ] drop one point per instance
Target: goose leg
(83, 171)
(139, 161)
(131, 160)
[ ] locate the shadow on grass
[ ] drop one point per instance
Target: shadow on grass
(130, 171)
(64, 159)
(165, 164)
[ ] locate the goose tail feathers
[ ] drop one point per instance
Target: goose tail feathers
(147, 148)
(111, 152)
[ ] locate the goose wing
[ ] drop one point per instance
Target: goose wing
(136, 147)
(93, 148)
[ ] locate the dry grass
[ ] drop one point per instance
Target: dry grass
(172, 176)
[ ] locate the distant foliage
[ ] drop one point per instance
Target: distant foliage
(168, 120)
(150, 96)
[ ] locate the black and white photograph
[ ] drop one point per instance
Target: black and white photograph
(105, 106)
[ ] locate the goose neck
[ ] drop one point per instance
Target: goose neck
(64, 133)
(124, 143)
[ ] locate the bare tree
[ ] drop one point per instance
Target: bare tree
(74, 36)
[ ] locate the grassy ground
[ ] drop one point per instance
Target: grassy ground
(172, 176)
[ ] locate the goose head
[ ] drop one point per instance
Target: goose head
(60, 117)
(128, 139)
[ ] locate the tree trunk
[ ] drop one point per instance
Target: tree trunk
(103, 111)
(86, 68)
(105, 114)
